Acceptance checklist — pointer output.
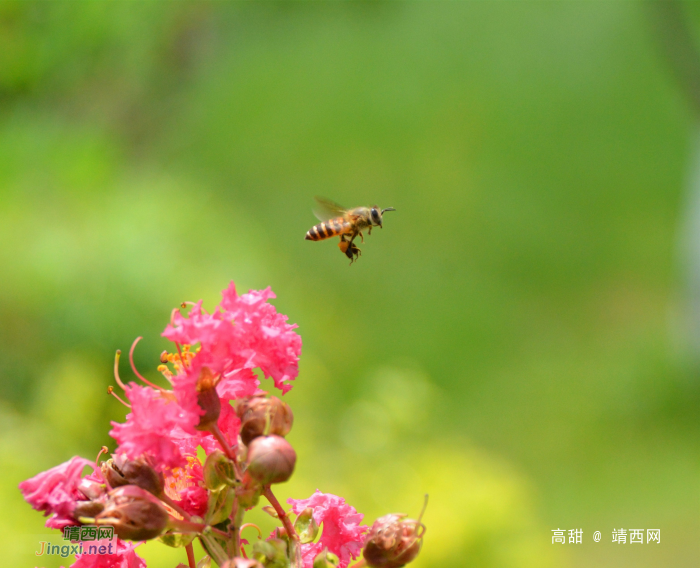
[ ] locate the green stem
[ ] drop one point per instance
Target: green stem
(190, 527)
(234, 529)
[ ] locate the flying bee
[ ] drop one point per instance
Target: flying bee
(344, 223)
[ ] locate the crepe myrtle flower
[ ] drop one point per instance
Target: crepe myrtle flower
(244, 333)
(192, 458)
(57, 491)
(124, 557)
(342, 534)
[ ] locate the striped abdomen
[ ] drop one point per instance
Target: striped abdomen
(328, 229)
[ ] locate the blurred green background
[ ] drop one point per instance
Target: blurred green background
(512, 344)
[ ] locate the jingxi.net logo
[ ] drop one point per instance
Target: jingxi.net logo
(87, 539)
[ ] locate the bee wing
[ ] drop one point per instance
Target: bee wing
(326, 209)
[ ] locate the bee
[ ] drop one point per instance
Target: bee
(345, 223)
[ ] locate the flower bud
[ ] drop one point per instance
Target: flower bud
(305, 526)
(220, 505)
(393, 541)
(326, 559)
(119, 471)
(271, 459)
(218, 471)
(255, 413)
(248, 492)
(134, 513)
(207, 399)
(272, 553)
(176, 539)
(87, 509)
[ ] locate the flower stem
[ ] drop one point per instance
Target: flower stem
(190, 556)
(234, 529)
(230, 454)
(280, 513)
(199, 528)
(294, 548)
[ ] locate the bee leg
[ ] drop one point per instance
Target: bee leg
(369, 231)
(353, 253)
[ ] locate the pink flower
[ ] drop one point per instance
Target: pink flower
(149, 426)
(186, 485)
(124, 557)
(239, 383)
(342, 533)
(55, 491)
(244, 333)
(265, 333)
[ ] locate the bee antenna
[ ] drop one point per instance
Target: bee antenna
(388, 209)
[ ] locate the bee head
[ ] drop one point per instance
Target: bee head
(376, 216)
(377, 213)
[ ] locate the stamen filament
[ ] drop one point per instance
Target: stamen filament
(425, 506)
(103, 450)
(246, 525)
(133, 367)
(168, 501)
(179, 352)
(110, 390)
(116, 369)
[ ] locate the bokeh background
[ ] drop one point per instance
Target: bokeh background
(519, 342)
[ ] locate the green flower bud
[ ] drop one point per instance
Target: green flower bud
(220, 505)
(305, 526)
(218, 471)
(248, 492)
(176, 540)
(326, 559)
(271, 553)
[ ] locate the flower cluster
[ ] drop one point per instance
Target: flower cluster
(154, 485)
